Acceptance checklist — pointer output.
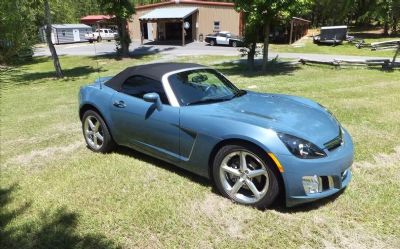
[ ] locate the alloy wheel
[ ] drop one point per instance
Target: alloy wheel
(93, 132)
(244, 177)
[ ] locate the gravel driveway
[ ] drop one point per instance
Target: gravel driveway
(194, 48)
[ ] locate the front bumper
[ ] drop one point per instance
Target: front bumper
(334, 170)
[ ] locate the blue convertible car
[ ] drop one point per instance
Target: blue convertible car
(252, 145)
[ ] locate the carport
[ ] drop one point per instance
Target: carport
(171, 23)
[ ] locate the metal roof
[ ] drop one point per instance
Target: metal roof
(182, 2)
(71, 26)
(169, 13)
(97, 17)
(335, 27)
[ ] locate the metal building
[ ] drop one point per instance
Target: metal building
(66, 33)
(183, 21)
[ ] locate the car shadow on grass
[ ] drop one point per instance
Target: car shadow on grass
(164, 165)
(279, 205)
(52, 229)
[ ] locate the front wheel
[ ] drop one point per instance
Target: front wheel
(243, 174)
(99, 39)
(212, 43)
(96, 133)
(234, 44)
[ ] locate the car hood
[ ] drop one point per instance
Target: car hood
(292, 115)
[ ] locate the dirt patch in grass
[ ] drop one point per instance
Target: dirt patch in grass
(42, 156)
(354, 238)
(223, 214)
(380, 160)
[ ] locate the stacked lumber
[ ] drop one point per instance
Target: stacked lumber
(394, 44)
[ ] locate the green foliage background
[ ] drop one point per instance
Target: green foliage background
(20, 19)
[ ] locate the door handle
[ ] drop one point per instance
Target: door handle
(119, 104)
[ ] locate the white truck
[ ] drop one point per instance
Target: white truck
(101, 34)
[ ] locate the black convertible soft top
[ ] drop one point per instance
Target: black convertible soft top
(154, 71)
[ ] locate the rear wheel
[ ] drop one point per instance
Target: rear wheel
(96, 133)
(243, 174)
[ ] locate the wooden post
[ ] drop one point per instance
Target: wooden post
(141, 33)
(183, 32)
(291, 32)
(196, 28)
(395, 54)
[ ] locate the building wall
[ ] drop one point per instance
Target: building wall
(229, 19)
(59, 37)
(66, 35)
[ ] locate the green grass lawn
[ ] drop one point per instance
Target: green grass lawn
(55, 193)
(307, 46)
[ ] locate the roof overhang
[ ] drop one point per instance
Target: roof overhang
(168, 14)
(91, 19)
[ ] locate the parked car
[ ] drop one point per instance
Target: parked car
(254, 146)
(101, 34)
(224, 38)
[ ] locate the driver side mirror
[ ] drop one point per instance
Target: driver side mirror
(153, 98)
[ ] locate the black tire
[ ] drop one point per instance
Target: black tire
(273, 186)
(90, 41)
(212, 42)
(108, 143)
(234, 44)
(99, 39)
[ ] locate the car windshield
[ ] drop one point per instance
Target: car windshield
(202, 86)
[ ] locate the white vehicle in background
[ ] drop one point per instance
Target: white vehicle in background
(101, 34)
(224, 38)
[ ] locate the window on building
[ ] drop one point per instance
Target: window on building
(216, 25)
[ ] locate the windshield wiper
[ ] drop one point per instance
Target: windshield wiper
(205, 101)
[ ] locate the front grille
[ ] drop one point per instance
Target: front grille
(327, 182)
(334, 143)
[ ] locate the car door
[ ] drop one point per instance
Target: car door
(222, 39)
(138, 124)
(109, 34)
(106, 35)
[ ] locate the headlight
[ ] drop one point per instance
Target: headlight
(300, 147)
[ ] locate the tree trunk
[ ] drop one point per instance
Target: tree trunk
(250, 56)
(266, 44)
(54, 56)
(394, 26)
(124, 37)
(386, 28)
